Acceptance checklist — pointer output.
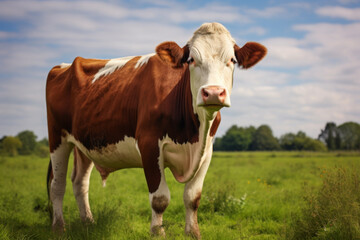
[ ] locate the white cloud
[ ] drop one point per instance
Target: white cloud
(348, 1)
(260, 31)
(340, 12)
(267, 12)
(317, 81)
(301, 84)
(304, 107)
(288, 53)
(337, 47)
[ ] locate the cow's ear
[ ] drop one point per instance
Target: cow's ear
(171, 53)
(250, 54)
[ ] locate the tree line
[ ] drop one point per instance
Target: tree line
(343, 137)
(24, 143)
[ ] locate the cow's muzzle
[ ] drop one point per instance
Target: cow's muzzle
(214, 96)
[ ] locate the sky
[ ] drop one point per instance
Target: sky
(310, 76)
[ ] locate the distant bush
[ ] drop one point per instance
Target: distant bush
(334, 211)
(42, 151)
(24, 144)
(10, 145)
(28, 139)
(300, 142)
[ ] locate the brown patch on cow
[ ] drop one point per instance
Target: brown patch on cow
(171, 52)
(196, 202)
(159, 204)
(250, 54)
(215, 124)
(62, 85)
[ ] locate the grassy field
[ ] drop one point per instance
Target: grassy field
(246, 195)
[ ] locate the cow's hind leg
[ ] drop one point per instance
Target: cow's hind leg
(192, 195)
(80, 178)
(59, 163)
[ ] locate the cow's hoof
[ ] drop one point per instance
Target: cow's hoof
(87, 220)
(158, 231)
(195, 234)
(58, 227)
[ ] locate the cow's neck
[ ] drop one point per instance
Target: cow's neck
(207, 120)
(198, 124)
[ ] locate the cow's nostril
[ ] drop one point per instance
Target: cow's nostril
(223, 93)
(205, 93)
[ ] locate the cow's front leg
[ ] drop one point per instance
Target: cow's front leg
(192, 195)
(159, 194)
(159, 201)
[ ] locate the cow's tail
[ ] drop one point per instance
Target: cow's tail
(49, 178)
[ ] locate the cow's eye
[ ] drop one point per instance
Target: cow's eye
(191, 60)
(233, 60)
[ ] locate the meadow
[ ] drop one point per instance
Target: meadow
(246, 195)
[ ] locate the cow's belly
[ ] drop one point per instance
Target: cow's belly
(124, 154)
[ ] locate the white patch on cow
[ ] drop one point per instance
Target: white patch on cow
(144, 60)
(185, 160)
(111, 66)
(123, 154)
(65, 65)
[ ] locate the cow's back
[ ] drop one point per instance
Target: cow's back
(98, 110)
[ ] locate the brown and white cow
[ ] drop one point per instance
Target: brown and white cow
(154, 111)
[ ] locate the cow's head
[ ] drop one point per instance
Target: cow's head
(211, 55)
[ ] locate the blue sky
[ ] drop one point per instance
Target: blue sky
(310, 76)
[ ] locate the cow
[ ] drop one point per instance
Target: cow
(155, 111)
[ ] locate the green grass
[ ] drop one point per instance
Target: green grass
(246, 195)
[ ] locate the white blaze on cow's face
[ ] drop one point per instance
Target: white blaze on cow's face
(211, 64)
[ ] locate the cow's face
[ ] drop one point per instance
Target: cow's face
(211, 55)
(211, 64)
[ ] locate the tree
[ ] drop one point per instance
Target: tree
(28, 139)
(287, 141)
(235, 139)
(349, 133)
(346, 136)
(11, 145)
(217, 144)
(264, 140)
(329, 136)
